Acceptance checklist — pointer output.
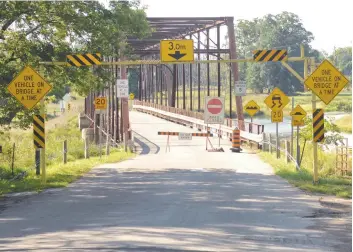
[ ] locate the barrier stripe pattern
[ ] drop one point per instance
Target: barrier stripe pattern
(166, 133)
(318, 125)
(270, 55)
(236, 139)
(39, 131)
(87, 59)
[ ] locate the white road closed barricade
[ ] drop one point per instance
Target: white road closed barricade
(184, 136)
(214, 110)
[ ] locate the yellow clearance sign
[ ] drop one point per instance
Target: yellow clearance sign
(29, 87)
(326, 82)
(177, 50)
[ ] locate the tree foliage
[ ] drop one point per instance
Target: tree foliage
(282, 31)
(342, 59)
(331, 131)
(36, 31)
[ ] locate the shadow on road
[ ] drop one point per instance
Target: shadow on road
(172, 210)
(146, 145)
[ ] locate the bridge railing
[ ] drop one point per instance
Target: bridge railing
(193, 119)
(249, 126)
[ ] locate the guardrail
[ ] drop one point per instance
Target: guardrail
(223, 131)
(249, 126)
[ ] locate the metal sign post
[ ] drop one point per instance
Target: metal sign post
(42, 150)
(206, 136)
(298, 114)
(277, 142)
(298, 146)
(292, 131)
(219, 136)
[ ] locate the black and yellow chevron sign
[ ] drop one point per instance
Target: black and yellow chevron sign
(87, 59)
(270, 55)
(39, 131)
(318, 125)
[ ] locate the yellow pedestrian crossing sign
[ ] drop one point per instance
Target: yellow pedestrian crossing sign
(277, 100)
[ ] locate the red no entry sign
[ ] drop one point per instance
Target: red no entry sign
(214, 106)
(214, 110)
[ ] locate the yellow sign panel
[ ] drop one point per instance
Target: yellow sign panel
(277, 100)
(277, 116)
(270, 55)
(251, 108)
(326, 81)
(100, 103)
(29, 87)
(131, 96)
(177, 50)
(87, 59)
(298, 113)
(296, 122)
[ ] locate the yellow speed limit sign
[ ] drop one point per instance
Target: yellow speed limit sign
(277, 116)
(100, 103)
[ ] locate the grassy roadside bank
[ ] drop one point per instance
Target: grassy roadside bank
(328, 184)
(345, 123)
(58, 174)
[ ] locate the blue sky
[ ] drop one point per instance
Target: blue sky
(329, 21)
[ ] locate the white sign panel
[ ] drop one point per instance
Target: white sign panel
(214, 110)
(122, 88)
(100, 111)
(185, 136)
(240, 88)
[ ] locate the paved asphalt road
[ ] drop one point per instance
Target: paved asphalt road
(187, 199)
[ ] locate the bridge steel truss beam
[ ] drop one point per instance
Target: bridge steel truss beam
(170, 78)
(183, 77)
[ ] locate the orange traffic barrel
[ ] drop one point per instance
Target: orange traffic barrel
(236, 141)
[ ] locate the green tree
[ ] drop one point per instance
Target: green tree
(342, 59)
(331, 130)
(31, 32)
(282, 31)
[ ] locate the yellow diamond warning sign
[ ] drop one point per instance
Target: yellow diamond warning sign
(29, 87)
(252, 108)
(298, 113)
(326, 81)
(277, 100)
